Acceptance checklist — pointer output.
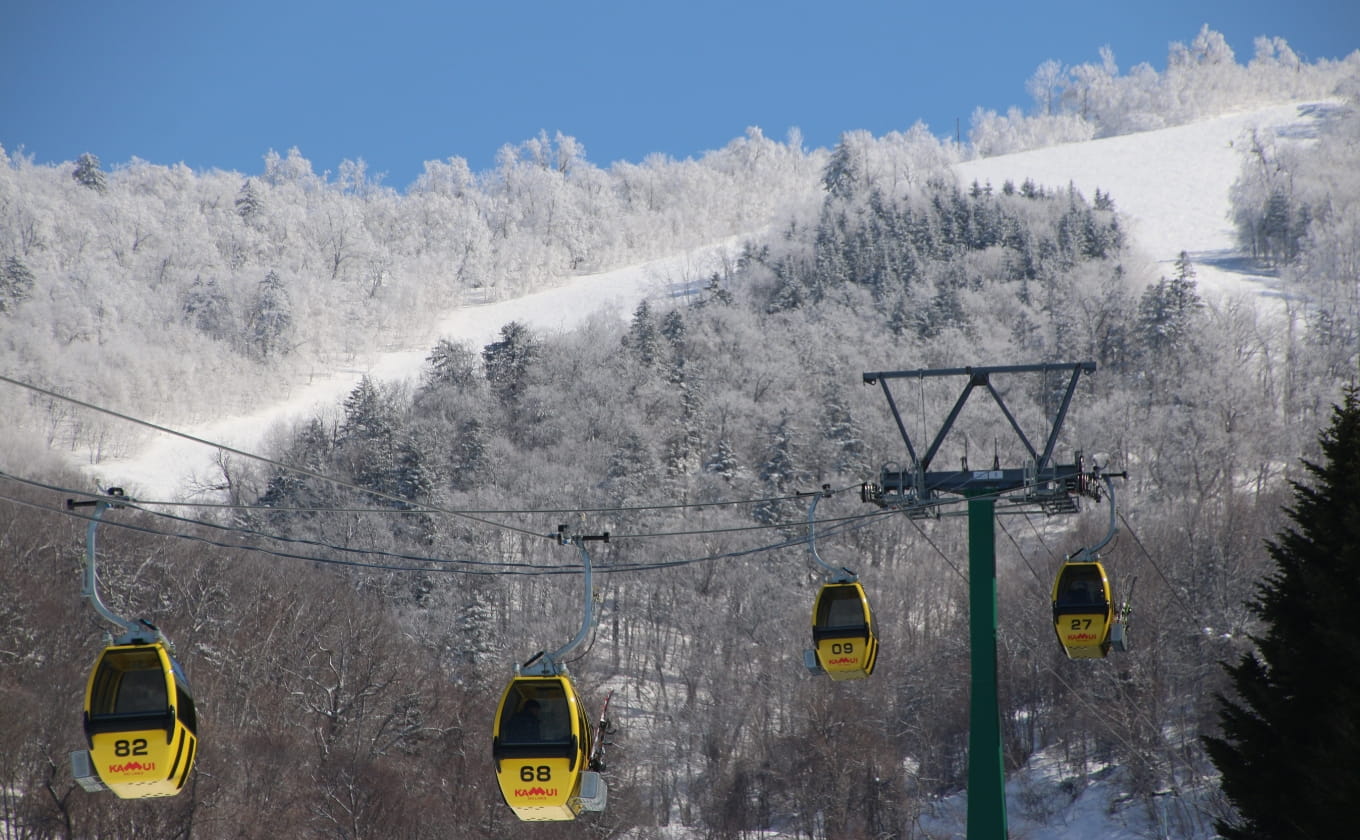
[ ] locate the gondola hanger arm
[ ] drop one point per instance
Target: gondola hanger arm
(1113, 527)
(551, 660)
(840, 574)
(133, 630)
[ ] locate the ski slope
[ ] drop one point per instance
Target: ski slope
(171, 467)
(1170, 186)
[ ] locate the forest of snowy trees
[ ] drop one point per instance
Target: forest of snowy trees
(347, 639)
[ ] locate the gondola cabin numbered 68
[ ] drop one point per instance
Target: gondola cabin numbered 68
(843, 633)
(1083, 609)
(140, 721)
(541, 747)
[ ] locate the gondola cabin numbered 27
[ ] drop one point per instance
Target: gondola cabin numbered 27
(843, 636)
(1083, 610)
(140, 721)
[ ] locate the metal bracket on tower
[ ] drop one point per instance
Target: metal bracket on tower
(1046, 486)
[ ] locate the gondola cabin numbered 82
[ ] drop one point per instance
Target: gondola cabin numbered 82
(843, 634)
(140, 721)
(1083, 609)
(541, 747)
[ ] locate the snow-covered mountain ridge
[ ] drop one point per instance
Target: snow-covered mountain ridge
(1170, 185)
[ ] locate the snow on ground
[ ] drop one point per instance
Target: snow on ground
(1045, 801)
(170, 467)
(1171, 186)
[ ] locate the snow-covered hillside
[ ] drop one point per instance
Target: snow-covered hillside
(1171, 186)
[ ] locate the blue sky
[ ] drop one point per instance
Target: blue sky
(396, 83)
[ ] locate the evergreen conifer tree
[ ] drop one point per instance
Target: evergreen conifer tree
(507, 362)
(1290, 746)
(270, 322)
(88, 174)
(16, 283)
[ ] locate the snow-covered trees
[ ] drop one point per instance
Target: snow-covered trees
(1201, 79)
(507, 361)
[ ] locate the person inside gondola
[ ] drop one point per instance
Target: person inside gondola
(523, 724)
(141, 692)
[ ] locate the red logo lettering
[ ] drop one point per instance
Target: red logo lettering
(133, 767)
(535, 792)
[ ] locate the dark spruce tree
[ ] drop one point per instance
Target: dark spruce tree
(1290, 746)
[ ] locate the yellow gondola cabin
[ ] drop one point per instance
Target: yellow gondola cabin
(1083, 609)
(541, 747)
(140, 721)
(844, 637)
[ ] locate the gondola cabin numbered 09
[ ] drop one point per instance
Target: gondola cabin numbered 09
(541, 747)
(1083, 609)
(843, 634)
(140, 721)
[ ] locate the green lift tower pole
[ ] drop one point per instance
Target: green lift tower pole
(1039, 485)
(986, 772)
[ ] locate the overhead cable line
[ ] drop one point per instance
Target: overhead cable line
(1042, 590)
(1174, 593)
(143, 505)
(270, 461)
(405, 506)
(440, 565)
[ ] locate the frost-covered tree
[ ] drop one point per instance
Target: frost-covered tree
(452, 365)
(369, 414)
(1046, 85)
(507, 361)
(842, 176)
(723, 462)
(643, 339)
(1166, 314)
(1290, 746)
(88, 174)
(207, 309)
(249, 203)
(269, 322)
(1185, 267)
(16, 283)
